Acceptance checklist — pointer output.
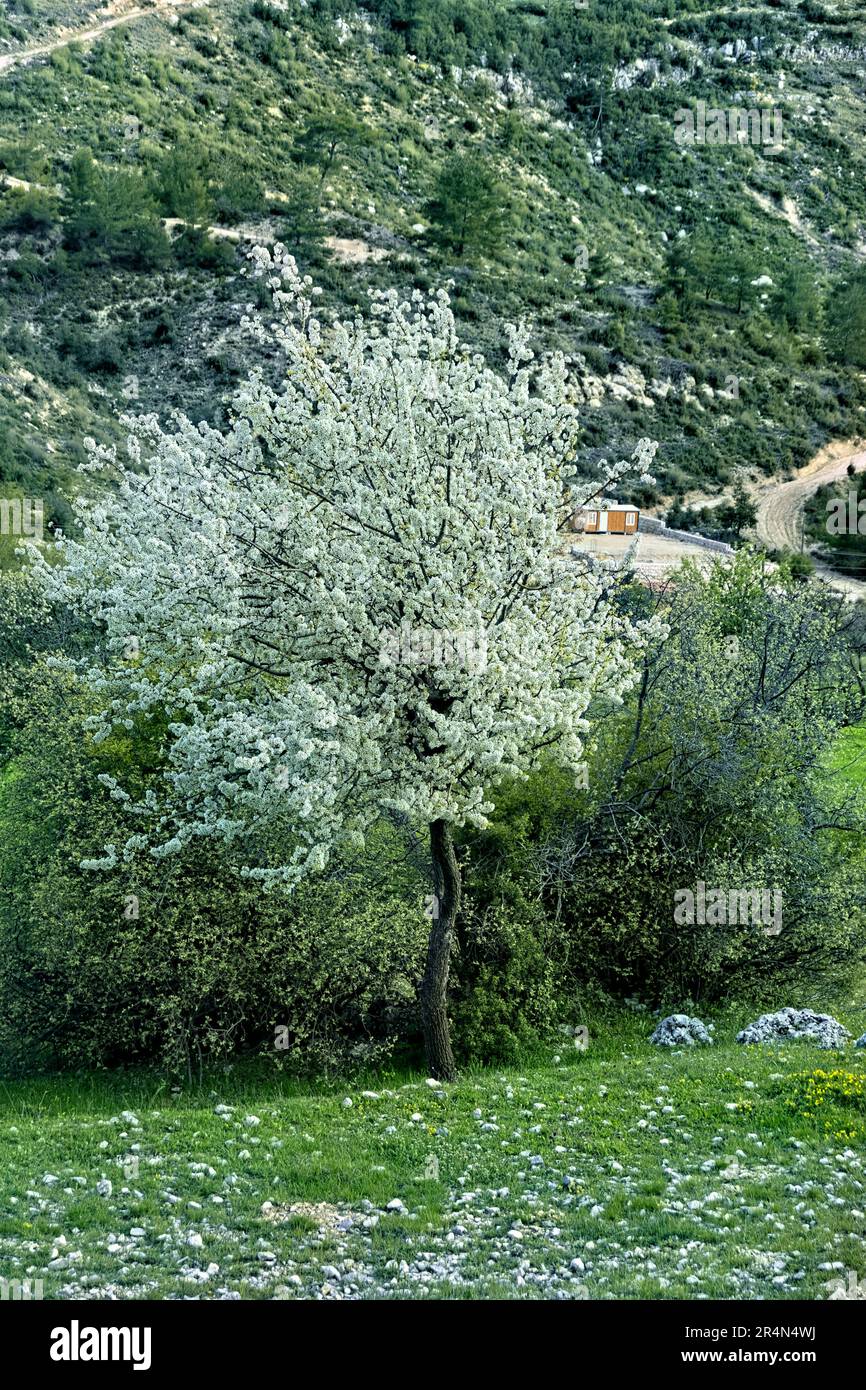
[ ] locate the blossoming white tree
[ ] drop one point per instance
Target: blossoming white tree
(268, 594)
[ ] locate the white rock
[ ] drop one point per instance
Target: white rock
(795, 1023)
(678, 1030)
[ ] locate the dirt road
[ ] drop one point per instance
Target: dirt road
(779, 520)
(780, 505)
(121, 15)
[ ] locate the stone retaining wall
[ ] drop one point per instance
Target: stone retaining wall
(653, 526)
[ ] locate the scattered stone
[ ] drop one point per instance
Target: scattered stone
(326, 1216)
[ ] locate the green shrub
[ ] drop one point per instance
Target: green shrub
(718, 774)
(177, 960)
(28, 212)
(508, 991)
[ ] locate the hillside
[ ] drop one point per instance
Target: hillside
(707, 288)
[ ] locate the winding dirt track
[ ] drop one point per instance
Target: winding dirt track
(162, 7)
(780, 505)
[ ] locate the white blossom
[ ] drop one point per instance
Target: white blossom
(392, 481)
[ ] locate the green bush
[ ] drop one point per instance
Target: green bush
(718, 774)
(28, 211)
(510, 982)
(178, 960)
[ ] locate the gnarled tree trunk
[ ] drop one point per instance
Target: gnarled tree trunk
(433, 993)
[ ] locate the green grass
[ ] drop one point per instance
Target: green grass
(849, 756)
(697, 1174)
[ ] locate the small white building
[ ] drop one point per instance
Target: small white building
(607, 519)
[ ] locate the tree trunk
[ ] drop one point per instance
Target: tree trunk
(433, 993)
